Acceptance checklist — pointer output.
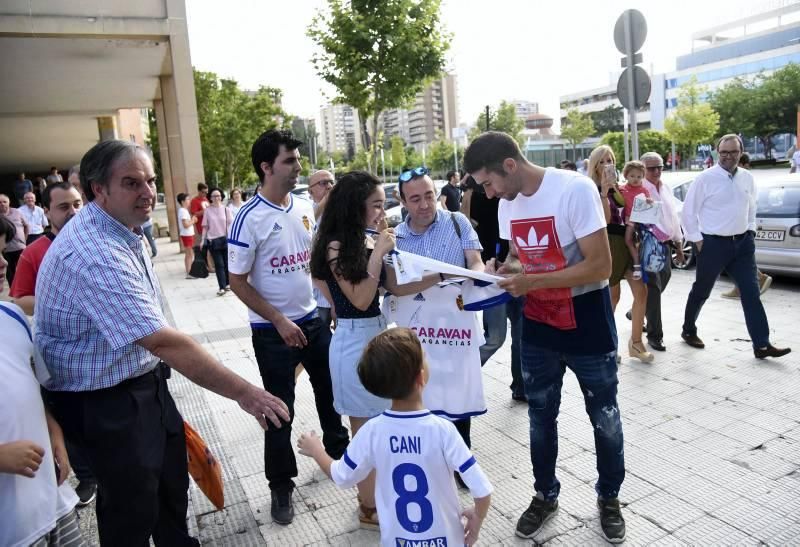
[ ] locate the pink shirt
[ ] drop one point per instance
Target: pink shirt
(216, 221)
(629, 193)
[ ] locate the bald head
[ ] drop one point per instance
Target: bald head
(319, 184)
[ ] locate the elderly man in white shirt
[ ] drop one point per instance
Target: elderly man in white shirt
(34, 216)
(719, 217)
(668, 230)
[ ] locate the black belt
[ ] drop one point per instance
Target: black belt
(735, 237)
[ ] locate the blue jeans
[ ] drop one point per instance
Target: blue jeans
(148, 233)
(543, 373)
(494, 325)
(737, 257)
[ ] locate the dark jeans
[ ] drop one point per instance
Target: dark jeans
(78, 462)
(325, 316)
(656, 284)
(543, 371)
(12, 257)
(133, 439)
(148, 234)
(32, 238)
(494, 325)
(220, 257)
(276, 362)
(737, 257)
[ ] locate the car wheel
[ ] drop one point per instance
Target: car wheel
(688, 255)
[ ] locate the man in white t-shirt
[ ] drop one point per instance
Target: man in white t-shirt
(35, 503)
(269, 252)
(559, 259)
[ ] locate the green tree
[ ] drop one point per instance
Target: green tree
(607, 120)
(155, 148)
(378, 54)
(576, 128)
(503, 118)
(650, 140)
(693, 121)
(413, 158)
(440, 157)
(398, 152)
(230, 119)
(760, 107)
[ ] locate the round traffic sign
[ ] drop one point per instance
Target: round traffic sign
(637, 29)
(641, 88)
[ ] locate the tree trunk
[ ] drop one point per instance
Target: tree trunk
(375, 142)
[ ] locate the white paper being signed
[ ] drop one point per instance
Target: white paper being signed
(410, 267)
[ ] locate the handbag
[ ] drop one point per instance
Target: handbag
(204, 467)
(198, 268)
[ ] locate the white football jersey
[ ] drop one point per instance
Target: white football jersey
(451, 339)
(273, 245)
(414, 455)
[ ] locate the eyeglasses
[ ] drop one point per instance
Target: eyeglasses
(326, 182)
(655, 168)
(729, 153)
(406, 176)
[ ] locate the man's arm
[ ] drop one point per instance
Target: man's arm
(443, 201)
(473, 260)
(186, 356)
(292, 334)
(595, 266)
(691, 208)
(27, 303)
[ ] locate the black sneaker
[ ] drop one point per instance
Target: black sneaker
(535, 516)
(87, 491)
(282, 510)
(611, 520)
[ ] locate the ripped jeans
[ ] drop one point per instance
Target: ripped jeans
(543, 372)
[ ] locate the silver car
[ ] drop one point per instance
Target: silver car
(777, 223)
(778, 226)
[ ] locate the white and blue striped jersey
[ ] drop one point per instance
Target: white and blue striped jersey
(273, 245)
(414, 455)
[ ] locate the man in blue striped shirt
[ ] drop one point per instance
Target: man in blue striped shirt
(103, 335)
(438, 234)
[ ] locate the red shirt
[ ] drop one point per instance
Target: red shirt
(198, 205)
(629, 193)
(28, 267)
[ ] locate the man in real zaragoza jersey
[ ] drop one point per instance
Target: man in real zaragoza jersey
(268, 260)
(559, 259)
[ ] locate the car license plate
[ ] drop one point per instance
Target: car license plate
(770, 235)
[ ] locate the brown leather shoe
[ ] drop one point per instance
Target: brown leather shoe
(771, 351)
(693, 340)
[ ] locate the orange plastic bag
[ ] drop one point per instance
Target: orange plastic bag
(204, 467)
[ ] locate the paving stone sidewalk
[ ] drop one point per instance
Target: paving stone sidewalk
(712, 437)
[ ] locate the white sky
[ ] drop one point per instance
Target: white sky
(501, 49)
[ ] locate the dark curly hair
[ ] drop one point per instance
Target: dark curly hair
(344, 220)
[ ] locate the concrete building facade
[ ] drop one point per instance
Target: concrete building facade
(339, 129)
(70, 69)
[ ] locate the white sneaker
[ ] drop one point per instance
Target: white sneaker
(221, 292)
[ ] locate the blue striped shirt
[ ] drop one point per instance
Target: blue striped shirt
(440, 240)
(96, 295)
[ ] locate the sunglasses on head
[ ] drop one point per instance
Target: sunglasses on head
(406, 176)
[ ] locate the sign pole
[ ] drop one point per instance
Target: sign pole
(631, 63)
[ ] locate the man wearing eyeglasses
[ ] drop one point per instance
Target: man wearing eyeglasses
(442, 235)
(666, 231)
(319, 185)
(719, 216)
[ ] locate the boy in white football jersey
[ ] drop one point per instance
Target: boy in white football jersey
(413, 452)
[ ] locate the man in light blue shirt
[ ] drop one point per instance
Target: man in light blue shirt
(102, 334)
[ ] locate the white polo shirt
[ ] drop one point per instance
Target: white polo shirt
(273, 245)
